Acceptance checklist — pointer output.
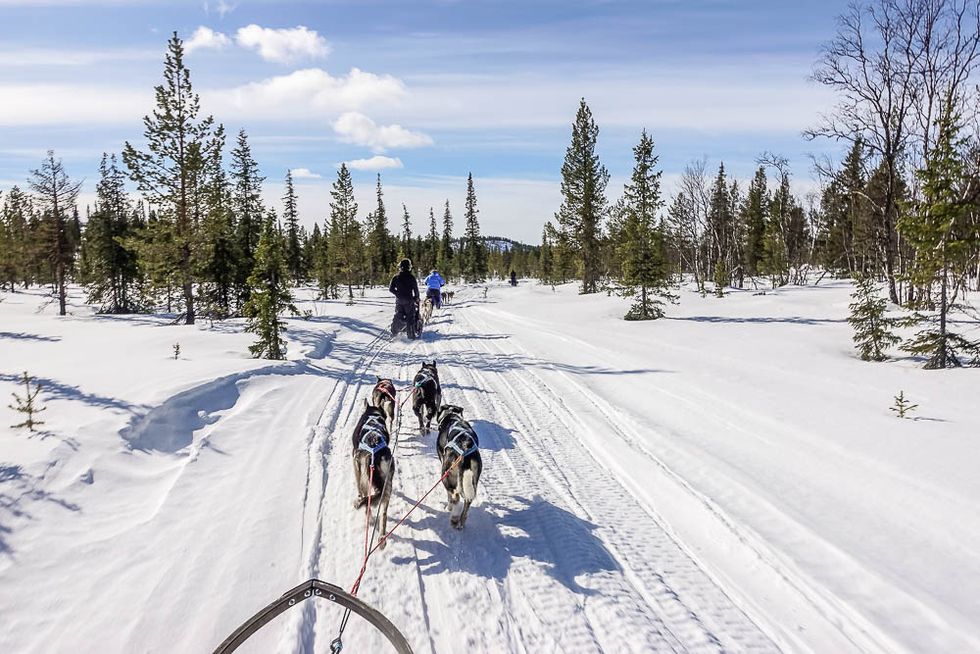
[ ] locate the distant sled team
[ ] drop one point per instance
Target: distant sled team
(457, 446)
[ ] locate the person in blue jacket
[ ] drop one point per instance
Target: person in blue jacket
(434, 283)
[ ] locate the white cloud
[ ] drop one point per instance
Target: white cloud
(354, 127)
(377, 162)
(307, 93)
(70, 57)
(72, 104)
(304, 173)
(205, 38)
(283, 45)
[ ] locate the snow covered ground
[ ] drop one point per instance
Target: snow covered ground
(727, 479)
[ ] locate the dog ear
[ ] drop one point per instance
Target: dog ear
(433, 363)
(378, 377)
(367, 404)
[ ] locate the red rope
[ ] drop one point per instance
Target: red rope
(416, 505)
(367, 529)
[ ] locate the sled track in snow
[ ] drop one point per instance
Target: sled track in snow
(663, 584)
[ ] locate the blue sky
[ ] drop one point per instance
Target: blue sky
(433, 90)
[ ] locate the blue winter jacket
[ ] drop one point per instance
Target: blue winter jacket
(435, 280)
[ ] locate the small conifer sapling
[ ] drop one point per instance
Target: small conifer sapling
(27, 404)
(902, 406)
(872, 329)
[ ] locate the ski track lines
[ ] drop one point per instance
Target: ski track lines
(675, 593)
(828, 619)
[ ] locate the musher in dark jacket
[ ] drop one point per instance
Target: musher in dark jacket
(405, 288)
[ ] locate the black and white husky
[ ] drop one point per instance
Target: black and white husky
(427, 396)
(371, 448)
(457, 438)
(383, 397)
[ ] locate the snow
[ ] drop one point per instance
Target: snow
(728, 478)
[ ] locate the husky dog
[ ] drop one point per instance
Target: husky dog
(458, 439)
(371, 448)
(383, 397)
(426, 310)
(427, 397)
(447, 296)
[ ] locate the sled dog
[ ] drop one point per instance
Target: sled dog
(447, 296)
(371, 447)
(383, 397)
(458, 439)
(427, 310)
(427, 396)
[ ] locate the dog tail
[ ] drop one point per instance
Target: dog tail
(469, 484)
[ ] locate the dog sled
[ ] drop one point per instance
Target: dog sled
(316, 589)
(408, 320)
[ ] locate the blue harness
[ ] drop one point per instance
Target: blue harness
(455, 432)
(373, 425)
(423, 378)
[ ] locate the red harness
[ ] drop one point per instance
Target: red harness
(387, 388)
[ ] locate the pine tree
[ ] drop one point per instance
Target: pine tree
(902, 406)
(55, 194)
(346, 238)
(544, 259)
(290, 216)
(248, 209)
(26, 404)
(721, 226)
(169, 174)
(473, 264)
(269, 295)
(113, 275)
(446, 258)
(872, 329)
(583, 205)
(641, 250)
(945, 240)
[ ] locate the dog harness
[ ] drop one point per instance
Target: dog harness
(382, 387)
(373, 425)
(455, 432)
(423, 378)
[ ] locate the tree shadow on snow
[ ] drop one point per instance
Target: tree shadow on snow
(496, 535)
(18, 491)
(21, 336)
(795, 320)
(502, 363)
(52, 389)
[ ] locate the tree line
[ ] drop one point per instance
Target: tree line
(902, 208)
(197, 239)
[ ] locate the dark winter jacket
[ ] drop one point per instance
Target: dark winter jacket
(404, 286)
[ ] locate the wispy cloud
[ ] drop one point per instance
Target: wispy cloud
(25, 57)
(205, 38)
(354, 127)
(377, 162)
(304, 94)
(304, 173)
(283, 45)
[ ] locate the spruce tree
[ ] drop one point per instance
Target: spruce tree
(432, 244)
(249, 211)
(753, 218)
(721, 226)
(113, 274)
(290, 216)
(942, 229)
(269, 295)
(473, 264)
(583, 208)
(55, 194)
(220, 257)
(872, 329)
(544, 259)
(15, 255)
(346, 238)
(380, 243)
(405, 244)
(446, 258)
(169, 172)
(641, 248)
